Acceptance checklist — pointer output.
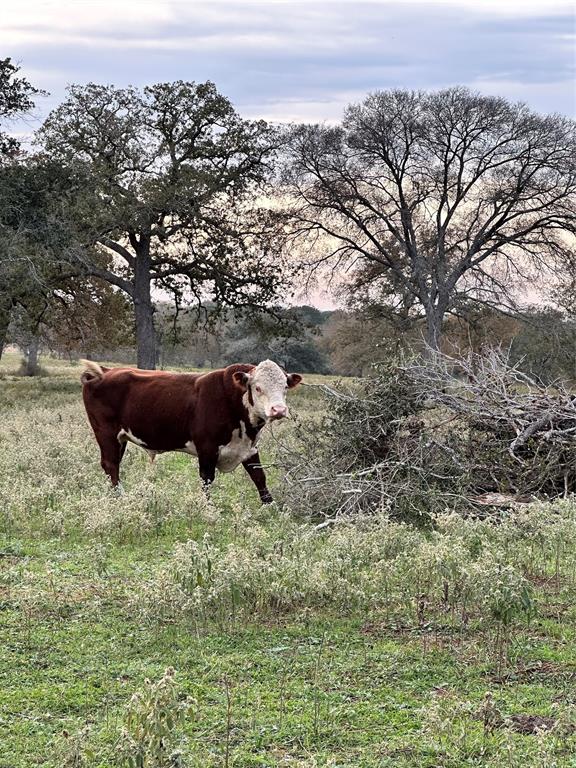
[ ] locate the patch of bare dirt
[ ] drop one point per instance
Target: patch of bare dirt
(539, 670)
(528, 724)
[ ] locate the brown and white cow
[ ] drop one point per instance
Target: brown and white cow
(216, 416)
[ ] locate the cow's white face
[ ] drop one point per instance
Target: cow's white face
(266, 387)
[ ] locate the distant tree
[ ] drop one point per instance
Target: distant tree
(312, 317)
(88, 317)
(174, 175)
(353, 343)
(16, 99)
(478, 328)
(23, 331)
(438, 198)
(301, 355)
(41, 291)
(34, 241)
(563, 292)
(286, 338)
(184, 341)
(545, 345)
(289, 334)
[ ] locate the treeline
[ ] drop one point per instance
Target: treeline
(160, 220)
(542, 341)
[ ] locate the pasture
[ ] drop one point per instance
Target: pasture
(367, 644)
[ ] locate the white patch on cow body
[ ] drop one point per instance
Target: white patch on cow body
(240, 448)
(189, 448)
(125, 435)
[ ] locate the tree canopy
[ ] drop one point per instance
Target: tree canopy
(16, 99)
(19, 274)
(173, 178)
(34, 269)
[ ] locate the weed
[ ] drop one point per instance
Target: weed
(150, 735)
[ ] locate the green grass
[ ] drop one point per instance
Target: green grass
(300, 686)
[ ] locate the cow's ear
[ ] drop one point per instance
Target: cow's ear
(241, 379)
(293, 380)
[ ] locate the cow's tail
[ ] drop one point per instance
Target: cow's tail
(92, 371)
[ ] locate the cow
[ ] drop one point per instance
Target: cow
(217, 416)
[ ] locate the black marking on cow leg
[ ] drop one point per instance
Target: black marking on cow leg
(207, 472)
(254, 468)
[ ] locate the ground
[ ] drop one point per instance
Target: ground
(365, 646)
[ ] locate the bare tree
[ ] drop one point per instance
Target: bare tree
(437, 198)
(172, 173)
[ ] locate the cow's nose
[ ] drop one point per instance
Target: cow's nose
(278, 411)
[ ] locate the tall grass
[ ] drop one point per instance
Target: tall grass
(163, 561)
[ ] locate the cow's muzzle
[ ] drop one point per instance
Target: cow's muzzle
(278, 412)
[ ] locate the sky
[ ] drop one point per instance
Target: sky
(289, 60)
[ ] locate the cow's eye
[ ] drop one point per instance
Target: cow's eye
(258, 389)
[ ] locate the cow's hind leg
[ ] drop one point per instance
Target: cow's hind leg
(111, 452)
(258, 476)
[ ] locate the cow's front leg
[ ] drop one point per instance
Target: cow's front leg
(207, 466)
(254, 469)
(111, 452)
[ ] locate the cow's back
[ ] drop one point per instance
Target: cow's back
(157, 407)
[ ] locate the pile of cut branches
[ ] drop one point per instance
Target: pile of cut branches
(429, 435)
(529, 429)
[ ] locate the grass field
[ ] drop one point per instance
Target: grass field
(367, 644)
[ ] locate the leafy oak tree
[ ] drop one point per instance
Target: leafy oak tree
(34, 269)
(436, 199)
(173, 176)
(16, 99)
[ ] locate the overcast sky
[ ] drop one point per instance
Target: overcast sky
(287, 60)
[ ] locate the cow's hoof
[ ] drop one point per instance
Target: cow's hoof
(267, 499)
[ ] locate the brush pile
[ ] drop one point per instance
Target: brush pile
(427, 436)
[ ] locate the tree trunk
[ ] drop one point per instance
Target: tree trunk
(144, 312)
(4, 323)
(31, 359)
(434, 317)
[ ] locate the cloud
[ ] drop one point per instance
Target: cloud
(543, 97)
(325, 110)
(288, 60)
